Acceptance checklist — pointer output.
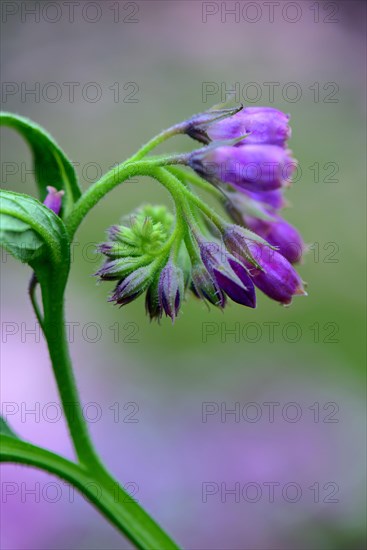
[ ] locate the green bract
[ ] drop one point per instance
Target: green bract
(32, 233)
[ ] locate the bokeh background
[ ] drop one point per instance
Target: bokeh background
(145, 386)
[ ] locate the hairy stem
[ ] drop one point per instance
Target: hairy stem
(196, 180)
(110, 180)
(158, 139)
(183, 194)
(208, 117)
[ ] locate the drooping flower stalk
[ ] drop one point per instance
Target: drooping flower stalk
(217, 259)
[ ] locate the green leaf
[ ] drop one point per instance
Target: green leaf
(51, 165)
(5, 429)
(33, 233)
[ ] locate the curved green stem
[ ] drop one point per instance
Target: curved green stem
(185, 176)
(207, 210)
(103, 491)
(124, 513)
(173, 184)
(207, 117)
(106, 183)
(192, 247)
(196, 180)
(158, 139)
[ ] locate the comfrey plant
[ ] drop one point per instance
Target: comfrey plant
(245, 165)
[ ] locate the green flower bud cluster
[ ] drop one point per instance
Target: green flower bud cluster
(142, 233)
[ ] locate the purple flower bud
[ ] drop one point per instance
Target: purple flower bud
(133, 285)
(54, 199)
(171, 289)
(249, 299)
(265, 125)
(279, 233)
(116, 269)
(242, 243)
(205, 286)
(254, 168)
(152, 305)
(230, 276)
(114, 232)
(117, 250)
(276, 278)
(196, 127)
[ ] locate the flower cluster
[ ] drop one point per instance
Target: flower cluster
(245, 157)
(253, 173)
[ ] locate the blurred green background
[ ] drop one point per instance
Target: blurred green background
(164, 59)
